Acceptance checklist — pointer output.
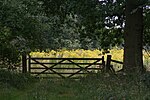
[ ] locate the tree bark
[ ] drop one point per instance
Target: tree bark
(133, 37)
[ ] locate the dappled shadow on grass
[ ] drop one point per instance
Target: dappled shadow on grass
(93, 87)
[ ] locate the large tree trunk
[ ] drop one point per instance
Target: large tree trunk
(133, 57)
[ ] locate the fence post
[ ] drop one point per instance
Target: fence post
(29, 63)
(103, 63)
(108, 62)
(24, 63)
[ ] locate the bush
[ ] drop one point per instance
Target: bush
(9, 55)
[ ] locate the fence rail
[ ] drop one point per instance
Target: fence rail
(119, 62)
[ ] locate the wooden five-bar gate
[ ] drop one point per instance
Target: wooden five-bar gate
(65, 67)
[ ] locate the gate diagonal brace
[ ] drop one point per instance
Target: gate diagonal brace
(79, 66)
(50, 68)
(53, 72)
(56, 64)
(76, 64)
(39, 63)
(83, 69)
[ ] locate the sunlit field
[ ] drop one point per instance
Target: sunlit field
(117, 54)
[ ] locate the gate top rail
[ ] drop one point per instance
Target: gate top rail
(37, 58)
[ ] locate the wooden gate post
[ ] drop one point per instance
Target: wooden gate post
(24, 63)
(29, 63)
(108, 62)
(103, 64)
(103, 61)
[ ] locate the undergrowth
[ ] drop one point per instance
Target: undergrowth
(15, 79)
(102, 86)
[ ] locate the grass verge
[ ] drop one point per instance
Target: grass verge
(92, 87)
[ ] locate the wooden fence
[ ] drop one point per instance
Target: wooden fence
(65, 67)
(109, 66)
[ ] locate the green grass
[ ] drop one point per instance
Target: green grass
(92, 87)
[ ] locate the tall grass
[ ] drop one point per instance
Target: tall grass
(92, 87)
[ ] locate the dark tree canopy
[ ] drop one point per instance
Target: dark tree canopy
(28, 25)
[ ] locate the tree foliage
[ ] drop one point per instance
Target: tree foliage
(28, 25)
(18, 25)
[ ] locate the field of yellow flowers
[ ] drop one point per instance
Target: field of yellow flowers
(117, 54)
(80, 53)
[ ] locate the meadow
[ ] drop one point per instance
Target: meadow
(117, 54)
